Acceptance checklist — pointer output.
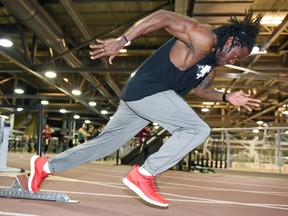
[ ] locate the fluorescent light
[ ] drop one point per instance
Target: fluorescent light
(62, 110)
(205, 109)
(50, 74)
(44, 102)
(6, 43)
(104, 112)
(76, 116)
(260, 122)
(92, 103)
(208, 103)
(19, 109)
(76, 92)
(19, 91)
(87, 121)
(272, 19)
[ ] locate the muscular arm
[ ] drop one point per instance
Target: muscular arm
(238, 98)
(184, 28)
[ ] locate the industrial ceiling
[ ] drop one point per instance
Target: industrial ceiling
(55, 35)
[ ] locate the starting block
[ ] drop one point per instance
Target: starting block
(19, 190)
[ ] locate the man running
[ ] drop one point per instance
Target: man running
(155, 94)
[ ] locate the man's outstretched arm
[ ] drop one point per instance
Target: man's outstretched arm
(238, 98)
(184, 28)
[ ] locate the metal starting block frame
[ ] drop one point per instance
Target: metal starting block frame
(19, 190)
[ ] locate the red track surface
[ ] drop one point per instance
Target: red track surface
(100, 191)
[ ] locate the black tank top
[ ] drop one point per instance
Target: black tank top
(158, 74)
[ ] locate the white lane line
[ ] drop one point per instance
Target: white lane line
(185, 186)
(228, 182)
(15, 214)
(213, 201)
(180, 198)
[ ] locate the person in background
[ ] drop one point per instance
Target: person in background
(47, 136)
(156, 94)
(82, 134)
(92, 132)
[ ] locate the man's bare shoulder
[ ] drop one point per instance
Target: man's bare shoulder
(202, 38)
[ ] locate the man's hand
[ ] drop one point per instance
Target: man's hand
(108, 47)
(239, 99)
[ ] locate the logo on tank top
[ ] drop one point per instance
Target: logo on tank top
(202, 70)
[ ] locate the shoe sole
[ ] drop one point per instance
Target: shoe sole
(32, 171)
(134, 188)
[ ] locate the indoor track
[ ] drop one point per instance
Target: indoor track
(99, 188)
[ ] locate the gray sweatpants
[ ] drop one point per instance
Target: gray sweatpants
(166, 108)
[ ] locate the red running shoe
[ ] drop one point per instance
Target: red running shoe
(37, 174)
(144, 187)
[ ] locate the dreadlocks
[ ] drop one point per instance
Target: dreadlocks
(243, 32)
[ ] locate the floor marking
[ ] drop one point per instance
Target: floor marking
(15, 214)
(181, 198)
(185, 186)
(213, 201)
(227, 182)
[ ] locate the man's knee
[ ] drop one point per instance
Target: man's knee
(201, 130)
(205, 130)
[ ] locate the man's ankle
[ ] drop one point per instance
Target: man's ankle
(46, 168)
(144, 172)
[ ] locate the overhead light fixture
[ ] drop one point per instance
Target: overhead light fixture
(19, 91)
(76, 116)
(87, 121)
(272, 19)
(62, 110)
(76, 92)
(208, 103)
(205, 109)
(259, 122)
(6, 42)
(50, 74)
(44, 102)
(19, 109)
(92, 103)
(104, 112)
